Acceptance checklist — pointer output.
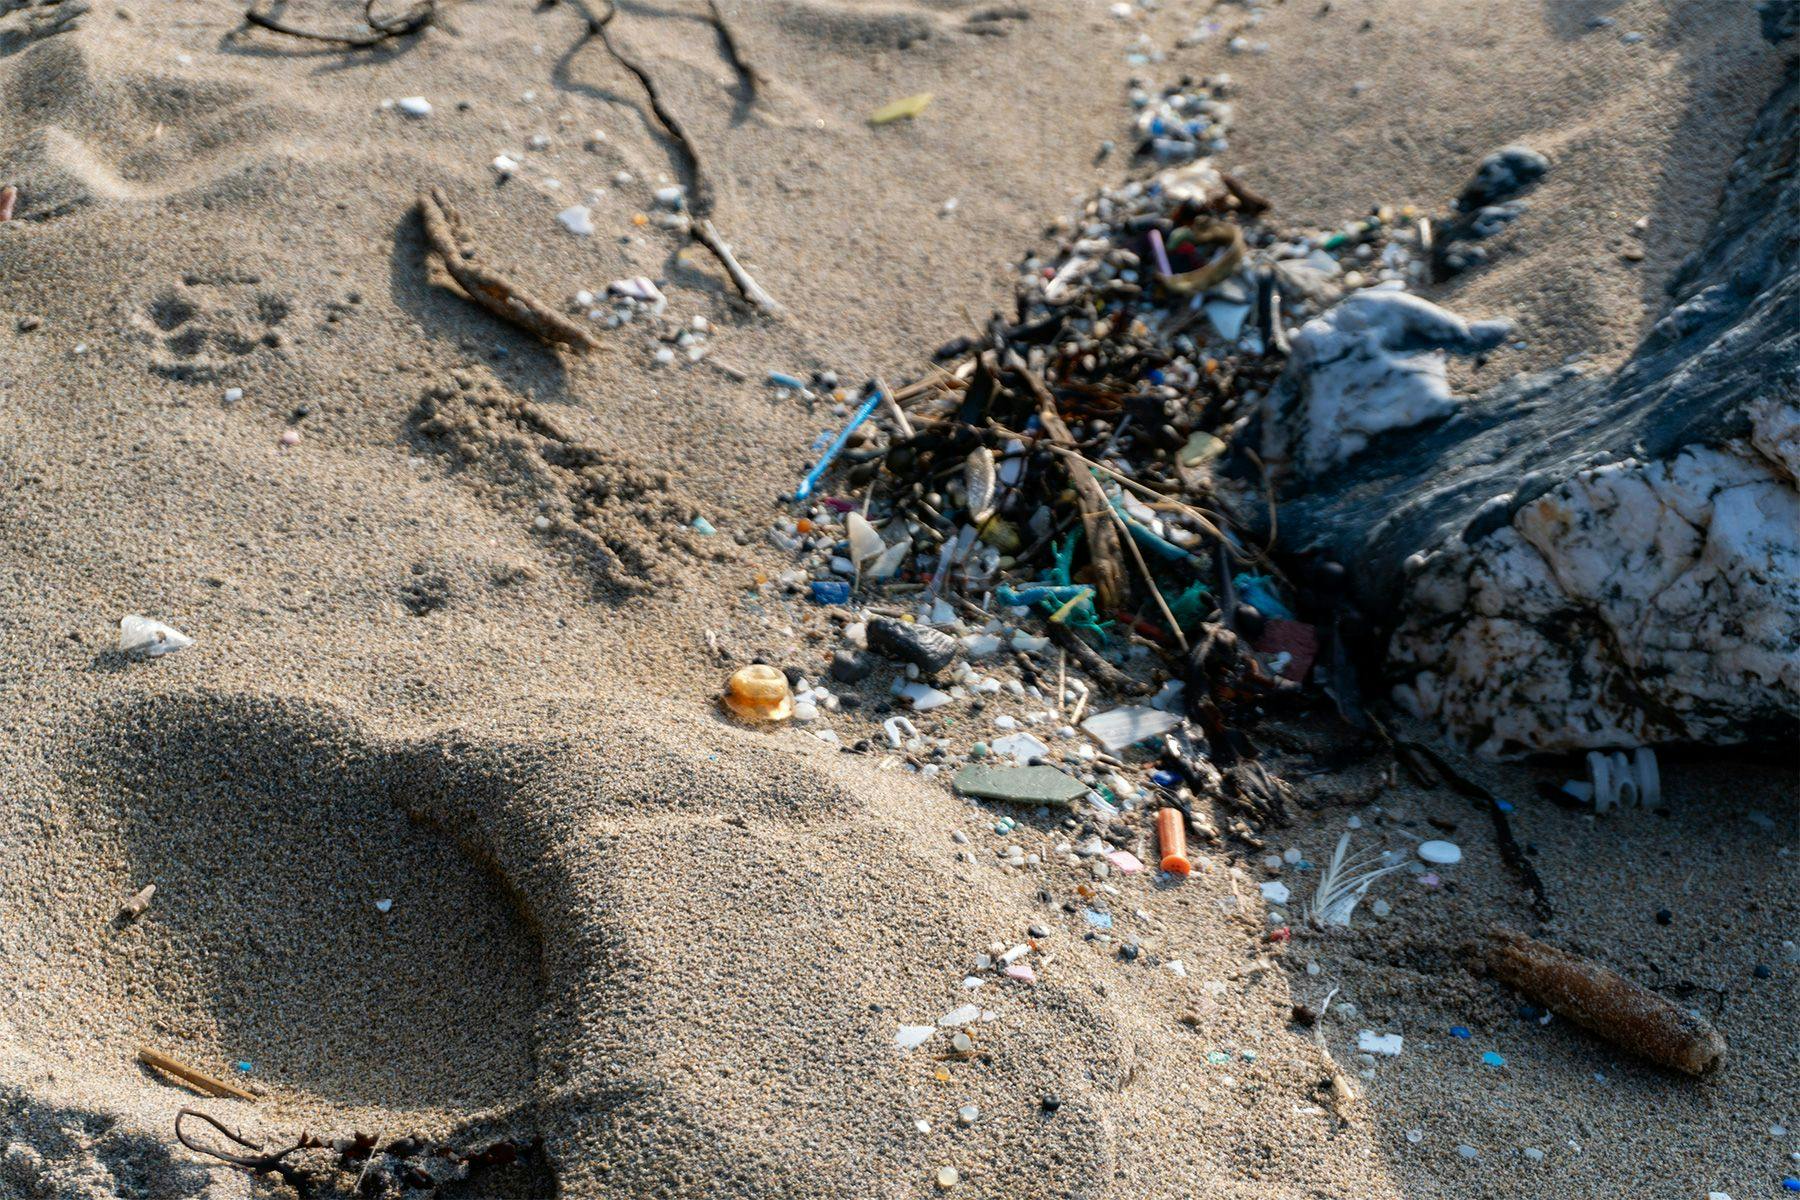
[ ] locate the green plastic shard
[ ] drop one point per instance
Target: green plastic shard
(1019, 785)
(903, 109)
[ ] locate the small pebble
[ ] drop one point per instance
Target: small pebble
(1440, 854)
(1664, 916)
(1763, 971)
(416, 106)
(947, 1178)
(1534, 1154)
(968, 1114)
(1466, 1150)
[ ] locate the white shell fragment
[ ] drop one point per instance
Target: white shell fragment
(980, 485)
(865, 543)
(1440, 854)
(911, 1037)
(150, 639)
(1122, 727)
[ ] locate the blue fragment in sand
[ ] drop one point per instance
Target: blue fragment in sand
(830, 591)
(1259, 593)
(782, 380)
(1493, 1060)
(704, 526)
(1460, 1031)
(1098, 919)
(1166, 779)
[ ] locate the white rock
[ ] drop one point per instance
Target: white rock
(1370, 1042)
(151, 639)
(670, 197)
(961, 1015)
(1440, 854)
(1275, 892)
(505, 164)
(416, 106)
(578, 219)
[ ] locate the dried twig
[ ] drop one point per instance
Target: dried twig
(1603, 1001)
(1137, 556)
(268, 1162)
(200, 1079)
(443, 229)
(1102, 538)
(381, 29)
(698, 188)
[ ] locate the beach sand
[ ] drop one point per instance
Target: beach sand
(458, 648)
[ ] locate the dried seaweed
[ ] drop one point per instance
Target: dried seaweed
(487, 287)
(1422, 761)
(381, 29)
(404, 1158)
(693, 179)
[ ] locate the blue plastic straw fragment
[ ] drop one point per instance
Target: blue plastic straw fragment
(781, 380)
(1025, 597)
(831, 452)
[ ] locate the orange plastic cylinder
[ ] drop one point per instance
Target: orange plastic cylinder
(1172, 834)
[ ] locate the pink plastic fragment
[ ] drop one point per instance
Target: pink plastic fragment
(1430, 879)
(1022, 972)
(1125, 860)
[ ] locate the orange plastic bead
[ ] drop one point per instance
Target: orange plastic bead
(759, 693)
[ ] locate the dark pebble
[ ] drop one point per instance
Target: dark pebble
(1664, 916)
(1763, 971)
(931, 650)
(1050, 1103)
(794, 675)
(1037, 931)
(850, 666)
(1129, 951)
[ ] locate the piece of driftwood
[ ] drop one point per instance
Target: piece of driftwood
(1604, 1002)
(199, 1079)
(1104, 550)
(380, 29)
(487, 287)
(134, 908)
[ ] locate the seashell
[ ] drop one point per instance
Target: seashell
(152, 639)
(865, 543)
(759, 693)
(980, 484)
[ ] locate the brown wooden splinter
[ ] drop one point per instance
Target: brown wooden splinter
(1604, 1002)
(181, 1071)
(487, 287)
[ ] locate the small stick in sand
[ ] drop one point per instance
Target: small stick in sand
(134, 908)
(1604, 1002)
(443, 229)
(199, 1079)
(9, 197)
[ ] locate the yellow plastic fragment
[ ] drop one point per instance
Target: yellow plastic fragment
(903, 109)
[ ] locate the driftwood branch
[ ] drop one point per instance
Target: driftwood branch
(488, 288)
(380, 29)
